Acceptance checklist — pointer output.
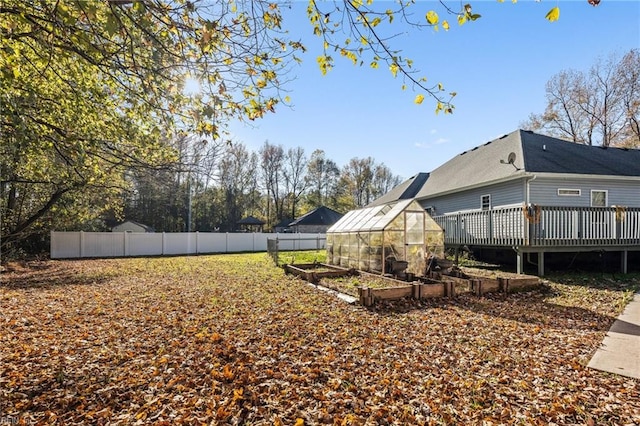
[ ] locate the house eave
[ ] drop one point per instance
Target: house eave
(585, 176)
(477, 185)
(527, 175)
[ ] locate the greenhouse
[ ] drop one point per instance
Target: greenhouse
(398, 238)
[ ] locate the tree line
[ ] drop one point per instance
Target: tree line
(599, 106)
(215, 184)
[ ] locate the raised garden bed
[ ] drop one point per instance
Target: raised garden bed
(369, 288)
(314, 272)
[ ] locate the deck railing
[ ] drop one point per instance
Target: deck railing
(543, 226)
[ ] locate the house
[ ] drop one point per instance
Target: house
(131, 226)
(250, 224)
(316, 221)
(534, 194)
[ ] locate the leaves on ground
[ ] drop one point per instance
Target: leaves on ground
(230, 339)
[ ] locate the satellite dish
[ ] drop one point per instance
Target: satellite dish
(511, 159)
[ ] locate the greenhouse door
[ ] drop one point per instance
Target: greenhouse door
(414, 242)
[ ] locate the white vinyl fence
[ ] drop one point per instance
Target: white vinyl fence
(70, 245)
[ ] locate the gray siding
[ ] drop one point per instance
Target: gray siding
(544, 191)
(502, 194)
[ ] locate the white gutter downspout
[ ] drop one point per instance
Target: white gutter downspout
(528, 190)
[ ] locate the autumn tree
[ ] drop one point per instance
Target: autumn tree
(237, 183)
(271, 166)
(362, 180)
(294, 174)
(322, 180)
(598, 107)
(384, 180)
(91, 90)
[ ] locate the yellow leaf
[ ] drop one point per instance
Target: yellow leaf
(374, 65)
(394, 69)
(445, 25)
(299, 422)
(461, 19)
(432, 17)
(419, 99)
(389, 13)
(287, 99)
(554, 14)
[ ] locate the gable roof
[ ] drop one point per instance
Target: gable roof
(250, 220)
(532, 153)
(283, 223)
(147, 228)
(320, 216)
(406, 190)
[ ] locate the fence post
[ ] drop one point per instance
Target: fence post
(163, 243)
(81, 244)
(125, 238)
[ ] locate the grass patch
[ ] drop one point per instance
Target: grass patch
(302, 256)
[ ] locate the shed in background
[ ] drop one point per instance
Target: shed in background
(131, 226)
(316, 221)
(370, 239)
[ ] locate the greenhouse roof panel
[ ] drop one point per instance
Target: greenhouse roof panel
(374, 218)
(390, 215)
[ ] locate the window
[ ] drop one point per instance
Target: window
(598, 198)
(563, 192)
(485, 202)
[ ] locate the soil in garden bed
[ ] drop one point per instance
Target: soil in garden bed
(350, 284)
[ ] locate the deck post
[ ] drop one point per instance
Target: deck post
(541, 263)
(623, 261)
(519, 261)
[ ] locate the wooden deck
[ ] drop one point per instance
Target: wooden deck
(545, 229)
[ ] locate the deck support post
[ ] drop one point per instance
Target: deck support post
(623, 261)
(519, 261)
(541, 263)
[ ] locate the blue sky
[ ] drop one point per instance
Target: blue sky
(498, 65)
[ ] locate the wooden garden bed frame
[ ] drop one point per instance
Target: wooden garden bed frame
(435, 286)
(309, 271)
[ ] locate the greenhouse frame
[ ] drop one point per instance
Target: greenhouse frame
(372, 239)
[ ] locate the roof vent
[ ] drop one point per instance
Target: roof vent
(503, 136)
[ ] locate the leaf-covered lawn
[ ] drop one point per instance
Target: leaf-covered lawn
(230, 339)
